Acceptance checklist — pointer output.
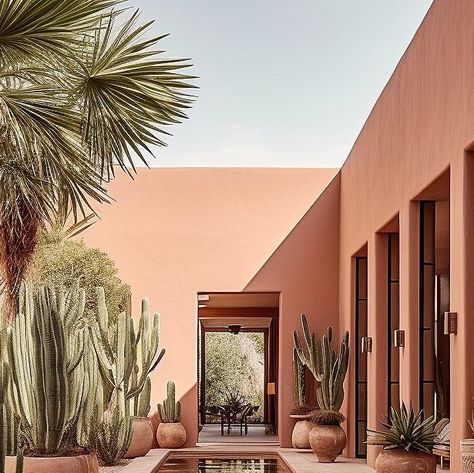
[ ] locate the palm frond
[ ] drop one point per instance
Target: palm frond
(130, 94)
(39, 29)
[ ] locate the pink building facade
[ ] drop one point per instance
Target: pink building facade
(386, 247)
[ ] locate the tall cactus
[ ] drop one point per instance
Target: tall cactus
(170, 410)
(46, 335)
(127, 358)
(9, 444)
(299, 381)
(327, 367)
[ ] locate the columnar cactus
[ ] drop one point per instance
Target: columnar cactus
(9, 436)
(299, 384)
(46, 334)
(170, 410)
(8, 432)
(127, 358)
(327, 367)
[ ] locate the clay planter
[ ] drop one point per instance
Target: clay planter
(300, 435)
(467, 455)
(142, 437)
(327, 442)
(398, 460)
(155, 422)
(171, 435)
(74, 464)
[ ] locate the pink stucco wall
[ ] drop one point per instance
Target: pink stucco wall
(419, 128)
(175, 232)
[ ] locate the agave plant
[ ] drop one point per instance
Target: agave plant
(81, 89)
(406, 429)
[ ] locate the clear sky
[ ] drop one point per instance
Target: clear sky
(282, 82)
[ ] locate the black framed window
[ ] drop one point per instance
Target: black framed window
(361, 319)
(393, 321)
(427, 298)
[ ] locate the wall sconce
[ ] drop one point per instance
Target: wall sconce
(450, 323)
(271, 389)
(366, 345)
(399, 338)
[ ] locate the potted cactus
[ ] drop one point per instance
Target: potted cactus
(48, 332)
(170, 433)
(407, 442)
(127, 358)
(327, 439)
(301, 411)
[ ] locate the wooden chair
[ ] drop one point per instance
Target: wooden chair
(246, 413)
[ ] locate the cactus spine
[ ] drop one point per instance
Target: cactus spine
(170, 410)
(327, 367)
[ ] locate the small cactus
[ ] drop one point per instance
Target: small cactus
(327, 367)
(170, 410)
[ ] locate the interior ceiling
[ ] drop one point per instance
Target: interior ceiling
(241, 299)
(245, 322)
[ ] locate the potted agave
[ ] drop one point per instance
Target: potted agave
(170, 433)
(326, 437)
(406, 443)
(127, 358)
(47, 332)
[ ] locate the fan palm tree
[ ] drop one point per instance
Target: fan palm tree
(82, 91)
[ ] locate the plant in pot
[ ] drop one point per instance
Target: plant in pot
(47, 402)
(170, 433)
(329, 369)
(467, 449)
(301, 412)
(127, 358)
(406, 443)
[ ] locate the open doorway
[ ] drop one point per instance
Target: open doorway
(238, 367)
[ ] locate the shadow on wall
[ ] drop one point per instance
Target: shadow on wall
(305, 270)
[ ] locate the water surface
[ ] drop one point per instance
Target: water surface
(216, 465)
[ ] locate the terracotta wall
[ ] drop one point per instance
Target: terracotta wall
(420, 126)
(176, 232)
(305, 269)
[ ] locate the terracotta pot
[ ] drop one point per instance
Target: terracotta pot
(398, 460)
(327, 442)
(467, 455)
(73, 464)
(142, 437)
(300, 435)
(171, 435)
(155, 422)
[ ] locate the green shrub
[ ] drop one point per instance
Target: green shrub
(59, 261)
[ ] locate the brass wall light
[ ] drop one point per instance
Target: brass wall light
(399, 338)
(450, 323)
(366, 345)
